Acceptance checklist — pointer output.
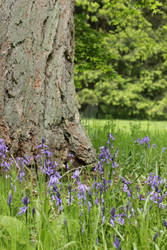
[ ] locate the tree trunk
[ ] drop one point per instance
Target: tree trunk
(37, 93)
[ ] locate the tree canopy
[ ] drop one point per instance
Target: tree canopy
(121, 57)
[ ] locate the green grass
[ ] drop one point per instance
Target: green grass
(87, 221)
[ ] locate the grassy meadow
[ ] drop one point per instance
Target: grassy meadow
(120, 203)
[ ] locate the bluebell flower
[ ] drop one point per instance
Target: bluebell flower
(23, 209)
(121, 220)
(103, 219)
(164, 223)
(113, 216)
(163, 149)
(155, 236)
(76, 175)
(116, 242)
(9, 201)
(83, 228)
(145, 140)
(89, 206)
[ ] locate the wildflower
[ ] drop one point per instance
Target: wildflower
(9, 199)
(125, 181)
(3, 149)
(89, 206)
(111, 137)
(83, 228)
(145, 140)
(23, 209)
(116, 242)
(97, 201)
(76, 175)
(121, 220)
(155, 236)
(103, 219)
(113, 216)
(82, 190)
(164, 223)
(163, 149)
(42, 144)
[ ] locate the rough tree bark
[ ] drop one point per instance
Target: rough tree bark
(37, 94)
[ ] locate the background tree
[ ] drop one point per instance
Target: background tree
(121, 49)
(37, 94)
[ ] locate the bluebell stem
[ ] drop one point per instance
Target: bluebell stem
(66, 225)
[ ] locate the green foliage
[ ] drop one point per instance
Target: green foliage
(121, 57)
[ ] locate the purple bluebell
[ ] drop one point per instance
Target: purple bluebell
(113, 216)
(111, 137)
(9, 201)
(3, 149)
(76, 175)
(155, 236)
(121, 220)
(164, 223)
(59, 200)
(42, 145)
(23, 209)
(143, 141)
(83, 228)
(97, 201)
(163, 149)
(116, 242)
(82, 188)
(103, 219)
(125, 181)
(89, 206)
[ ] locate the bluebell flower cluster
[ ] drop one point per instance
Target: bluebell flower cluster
(144, 141)
(94, 196)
